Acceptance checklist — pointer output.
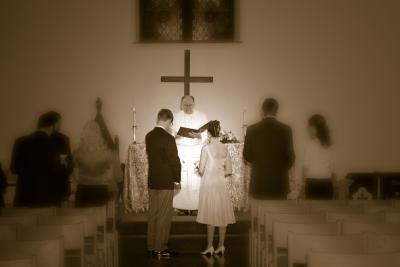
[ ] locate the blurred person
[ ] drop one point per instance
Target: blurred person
(36, 162)
(318, 165)
(268, 147)
(3, 186)
(63, 150)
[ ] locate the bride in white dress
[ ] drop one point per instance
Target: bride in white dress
(215, 204)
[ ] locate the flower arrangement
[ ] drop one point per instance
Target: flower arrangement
(228, 137)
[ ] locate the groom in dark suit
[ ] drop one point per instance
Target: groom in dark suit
(269, 148)
(164, 177)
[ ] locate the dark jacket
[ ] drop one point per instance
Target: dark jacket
(3, 185)
(35, 161)
(62, 146)
(164, 163)
(269, 147)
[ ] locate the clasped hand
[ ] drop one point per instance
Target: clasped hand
(195, 135)
(177, 186)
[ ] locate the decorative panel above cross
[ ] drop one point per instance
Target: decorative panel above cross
(187, 20)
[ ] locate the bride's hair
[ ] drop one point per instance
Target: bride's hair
(214, 128)
(321, 126)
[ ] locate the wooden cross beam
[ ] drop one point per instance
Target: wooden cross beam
(187, 79)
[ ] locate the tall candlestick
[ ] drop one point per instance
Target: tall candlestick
(244, 124)
(244, 116)
(134, 124)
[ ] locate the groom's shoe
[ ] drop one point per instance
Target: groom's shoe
(174, 253)
(165, 254)
(170, 252)
(161, 255)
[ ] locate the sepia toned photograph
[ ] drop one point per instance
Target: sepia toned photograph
(200, 133)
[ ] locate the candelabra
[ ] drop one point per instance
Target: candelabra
(244, 124)
(134, 133)
(244, 129)
(134, 126)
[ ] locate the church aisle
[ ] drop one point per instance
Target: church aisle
(187, 237)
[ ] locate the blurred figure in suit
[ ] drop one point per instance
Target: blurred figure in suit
(63, 150)
(269, 148)
(3, 186)
(36, 162)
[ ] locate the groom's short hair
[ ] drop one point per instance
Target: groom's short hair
(164, 115)
(270, 106)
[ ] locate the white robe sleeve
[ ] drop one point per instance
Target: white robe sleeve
(176, 123)
(203, 119)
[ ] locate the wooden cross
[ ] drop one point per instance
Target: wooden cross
(187, 79)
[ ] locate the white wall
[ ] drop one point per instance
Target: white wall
(395, 137)
(337, 57)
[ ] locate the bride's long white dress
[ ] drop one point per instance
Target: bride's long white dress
(215, 204)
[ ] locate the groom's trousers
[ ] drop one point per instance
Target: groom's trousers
(160, 218)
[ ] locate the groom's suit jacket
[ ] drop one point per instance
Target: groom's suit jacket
(163, 159)
(269, 148)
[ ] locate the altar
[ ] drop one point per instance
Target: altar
(136, 198)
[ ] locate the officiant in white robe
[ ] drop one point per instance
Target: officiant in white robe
(189, 150)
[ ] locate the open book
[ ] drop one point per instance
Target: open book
(184, 132)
